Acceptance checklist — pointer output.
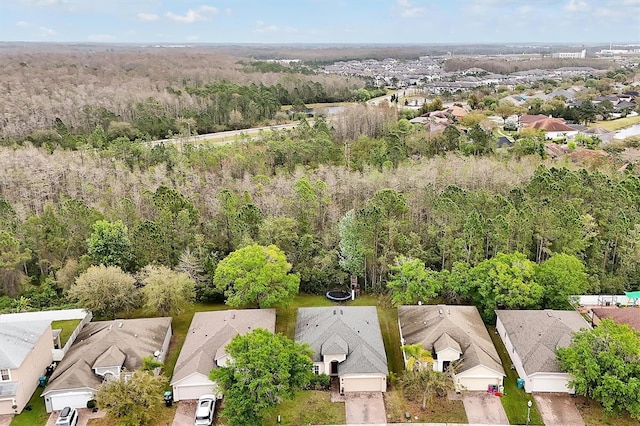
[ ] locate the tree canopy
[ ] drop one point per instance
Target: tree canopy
(605, 365)
(257, 275)
(133, 399)
(166, 291)
(265, 367)
(105, 290)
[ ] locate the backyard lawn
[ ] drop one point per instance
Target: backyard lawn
(67, 326)
(514, 400)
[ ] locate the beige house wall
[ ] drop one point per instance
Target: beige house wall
(27, 375)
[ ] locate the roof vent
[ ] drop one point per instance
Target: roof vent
(120, 324)
(549, 314)
(334, 312)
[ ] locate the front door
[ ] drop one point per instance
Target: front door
(333, 370)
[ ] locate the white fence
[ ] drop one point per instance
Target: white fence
(603, 300)
(59, 315)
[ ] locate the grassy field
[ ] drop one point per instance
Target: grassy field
(619, 123)
(514, 400)
(67, 326)
(36, 416)
(308, 407)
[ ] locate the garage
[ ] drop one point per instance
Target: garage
(77, 399)
(477, 383)
(548, 383)
(376, 383)
(182, 392)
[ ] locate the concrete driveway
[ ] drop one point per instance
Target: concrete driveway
(185, 413)
(365, 408)
(484, 408)
(5, 419)
(558, 409)
(84, 415)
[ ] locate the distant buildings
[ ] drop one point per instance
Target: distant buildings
(570, 55)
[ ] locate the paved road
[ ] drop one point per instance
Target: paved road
(223, 137)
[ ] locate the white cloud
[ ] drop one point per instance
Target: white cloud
(228, 11)
(148, 16)
(577, 6)
(409, 10)
(525, 9)
(44, 2)
(262, 27)
(193, 15)
(192, 38)
(23, 24)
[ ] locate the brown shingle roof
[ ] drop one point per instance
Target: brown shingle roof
(630, 316)
(552, 125)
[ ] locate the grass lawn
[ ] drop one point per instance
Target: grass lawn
(67, 326)
(308, 407)
(593, 414)
(38, 414)
(618, 123)
(440, 410)
(163, 417)
(515, 400)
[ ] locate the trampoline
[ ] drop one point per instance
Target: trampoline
(338, 295)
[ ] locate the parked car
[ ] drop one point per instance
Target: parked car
(67, 417)
(205, 410)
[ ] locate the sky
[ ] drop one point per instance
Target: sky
(321, 21)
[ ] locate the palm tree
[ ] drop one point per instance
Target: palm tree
(417, 357)
(422, 385)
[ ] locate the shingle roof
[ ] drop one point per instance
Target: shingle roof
(535, 335)
(552, 125)
(17, 340)
(209, 334)
(428, 323)
(357, 326)
(101, 342)
(630, 316)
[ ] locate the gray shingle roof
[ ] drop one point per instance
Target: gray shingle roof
(17, 340)
(428, 324)
(209, 334)
(103, 341)
(357, 326)
(535, 335)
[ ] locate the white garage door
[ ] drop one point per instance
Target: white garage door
(181, 393)
(476, 383)
(364, 384)
(70, 399)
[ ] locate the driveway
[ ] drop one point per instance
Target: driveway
(365, 408)
(5, 419)
(558, 409)
(84, 415)
(185, 413)
(484, 408)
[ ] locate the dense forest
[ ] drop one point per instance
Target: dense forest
(365, 193)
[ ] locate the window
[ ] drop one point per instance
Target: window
(316, 369)
(4, 375)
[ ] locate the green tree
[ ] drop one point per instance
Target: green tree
(265, 368)
(605, 365)
(424, 384)
(417, 357)
(105, 290)
(166, 291)
(258, 275)
(411, 281)
(506, 281)
(134, 399)
(561, 276)
(351, 244)
(109, 244)
(12, 257)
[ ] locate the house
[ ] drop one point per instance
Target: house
(347, 343)
(531, 339)
(554, 128)
(629, 316)
(504, 142)
(58, 351)
(102, 351)
(204, 347)
(454, 334)
(25, 353)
